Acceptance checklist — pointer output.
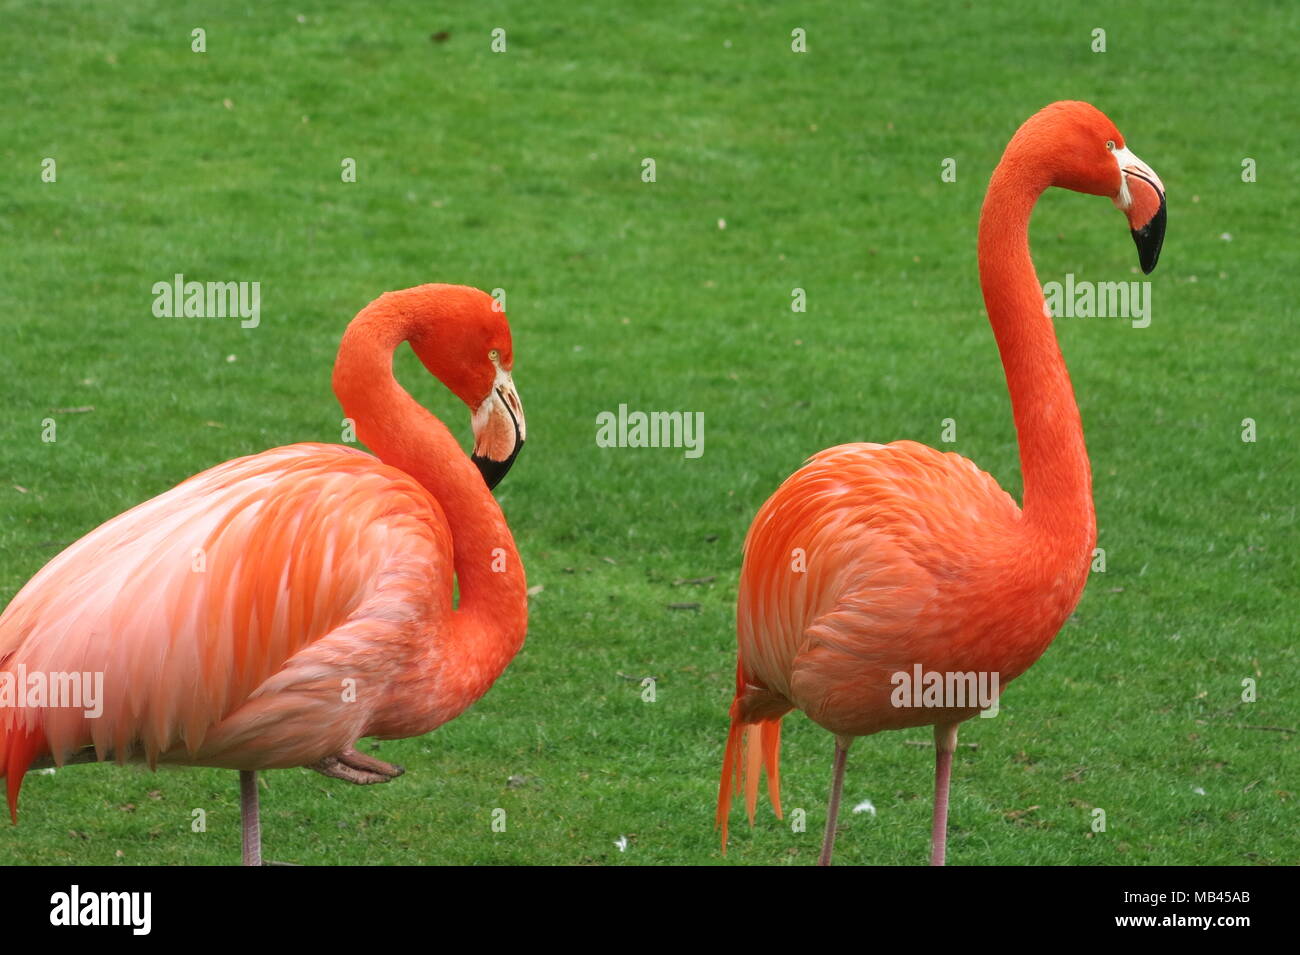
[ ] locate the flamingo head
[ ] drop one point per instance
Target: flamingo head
(469, 350)
(1083, 151)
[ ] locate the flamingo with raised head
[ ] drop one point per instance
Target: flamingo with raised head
(873, 559)
(269, 612)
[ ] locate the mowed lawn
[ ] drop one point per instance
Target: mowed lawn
(775, 171)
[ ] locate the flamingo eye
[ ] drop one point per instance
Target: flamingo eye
(494, 355)
(1110, 144)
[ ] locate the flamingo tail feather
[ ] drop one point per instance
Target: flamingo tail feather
(19, 748)
(752, 749)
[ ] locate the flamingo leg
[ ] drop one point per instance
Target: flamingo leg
(252, 843)
(945, 743)
(842, 744)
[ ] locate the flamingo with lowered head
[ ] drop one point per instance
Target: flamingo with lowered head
(269, 612)
(873, 560)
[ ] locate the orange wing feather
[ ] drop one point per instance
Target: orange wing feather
(226, 615)
(867, 560)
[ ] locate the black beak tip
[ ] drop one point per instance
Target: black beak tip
(494, 471)
(1149, 240)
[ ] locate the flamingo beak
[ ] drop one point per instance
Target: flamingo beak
(1142, 198)
(499, 429)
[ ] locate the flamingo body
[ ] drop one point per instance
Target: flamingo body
(906, 556)
(227, 613)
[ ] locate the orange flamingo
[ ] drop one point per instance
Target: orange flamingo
(873, 559)
(270, 611)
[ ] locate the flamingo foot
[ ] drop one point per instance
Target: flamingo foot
(357, 768)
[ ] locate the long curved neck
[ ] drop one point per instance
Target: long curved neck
(1053, 458)
(492, 614)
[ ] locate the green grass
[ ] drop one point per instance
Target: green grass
(522, 171)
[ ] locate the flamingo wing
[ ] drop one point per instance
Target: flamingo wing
(858, 566)
(225, 615)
